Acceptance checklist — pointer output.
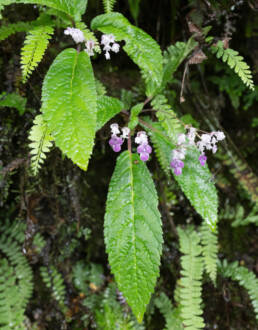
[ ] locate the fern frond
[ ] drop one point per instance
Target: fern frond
(35, 45)
(6, 31)
(209, 240)
(41, 142)
(191, 276)
(167, 117)
(171, 315)
(108, 5)
(244, 277)
(235, 62)
(16, 282)
(88, 35)
(54, 281)
(173, 56)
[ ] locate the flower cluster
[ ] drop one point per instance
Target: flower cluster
(207, 141)
(106, 41)
(144, 149)
(116, 142)
(76, 34)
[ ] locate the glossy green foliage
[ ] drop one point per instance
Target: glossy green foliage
(174, 55)
(235, 62)
(172, 315)
(107, 107)
(142, 49)
(69, 105)
(54, 281)
(13, 100)
(133, 233)
(73, 8)
(209, 240)
(108, 5)
(191, 279)
(195, 180)
(134, 6)
(16, 281)
(41, 142)
(244, 277)
(35, 45)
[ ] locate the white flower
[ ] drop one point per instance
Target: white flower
(115, 48)
(115, 129)
(214, 149)
(107, 48)
(200, 146)
(191, 135)
(76, 34)
(126, 132)
(107, 55)
(90, 44)
(141, 138)
(179, 153)
(181, 139)
(206, 138)
(220, 136)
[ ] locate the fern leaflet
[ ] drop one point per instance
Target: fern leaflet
(35, 45)
(244, 277)
(171, 315)
(41, 142)
(235, 62)
(191, 275)
(167, 117)
(108, 5)
(6, 31)
(209, 240)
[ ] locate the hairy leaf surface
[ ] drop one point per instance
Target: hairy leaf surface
(108, 107)
(69, 105)
(133, 233)
(142, 49)
(195, 180)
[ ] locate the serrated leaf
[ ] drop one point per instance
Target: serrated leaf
(134, 115)
(108, 107)
(35, 45)
(73, 8)
(195, 180)
(140, 46)
(133, 233)
(69, 105)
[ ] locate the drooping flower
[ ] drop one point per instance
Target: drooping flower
(90, 44)
(202, 159)
(76, 34)
(144, 149)
(109, 44)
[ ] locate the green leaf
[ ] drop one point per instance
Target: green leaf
(41, 142)
(108, 107)
(133, 233)
(13, 100)
(235, 62)
(69, 105)
(195, 180)
(73, 8)
(108, 5)
(142, 49)
(134, 115)
(174, 56)
(35, 45)
(191, 279)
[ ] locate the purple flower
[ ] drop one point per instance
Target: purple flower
(144, 148)
(144, 156)
(178, 171)
(177, 163)
(202, 159)
(115, 142)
